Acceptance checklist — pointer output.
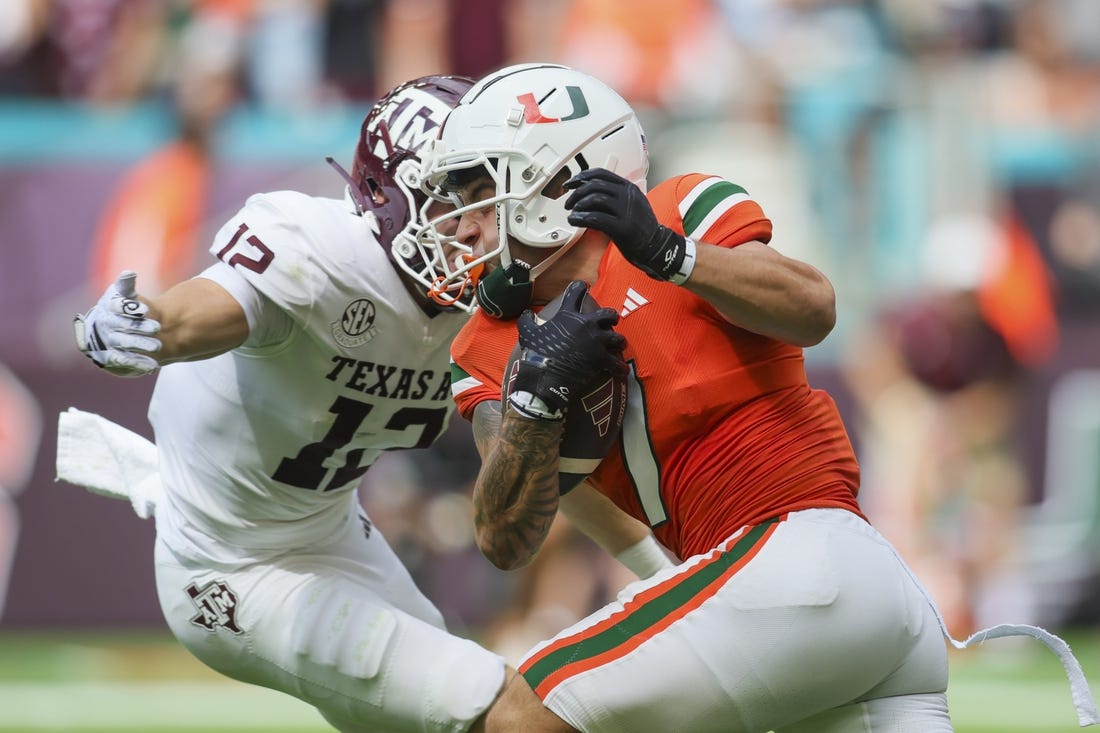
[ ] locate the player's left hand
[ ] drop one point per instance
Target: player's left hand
(608, 202)
(115, 333)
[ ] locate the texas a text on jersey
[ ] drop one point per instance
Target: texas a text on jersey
(382, 380)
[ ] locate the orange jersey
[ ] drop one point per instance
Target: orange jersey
(722, 429)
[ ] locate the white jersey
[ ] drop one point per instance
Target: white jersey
(261, 449)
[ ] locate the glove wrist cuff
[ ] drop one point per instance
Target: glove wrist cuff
(86, 338)
(687, 265)
(533, 407)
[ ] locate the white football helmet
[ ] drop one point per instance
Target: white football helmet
(526, 126)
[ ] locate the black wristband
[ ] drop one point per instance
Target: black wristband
(536, 376)
(668, 256)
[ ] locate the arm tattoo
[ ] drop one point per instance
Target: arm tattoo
(516, 493)
(486, 426)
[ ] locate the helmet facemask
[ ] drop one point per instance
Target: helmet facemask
(385, 183)
(498, 130)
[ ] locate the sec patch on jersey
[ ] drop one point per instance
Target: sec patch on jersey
(593, 421)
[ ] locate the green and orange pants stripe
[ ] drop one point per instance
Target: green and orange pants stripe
(644, 616)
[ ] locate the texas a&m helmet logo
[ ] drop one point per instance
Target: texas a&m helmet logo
(217, 605)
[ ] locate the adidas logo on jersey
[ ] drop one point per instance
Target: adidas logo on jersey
(633, 301)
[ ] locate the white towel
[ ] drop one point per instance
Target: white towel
(108, 459)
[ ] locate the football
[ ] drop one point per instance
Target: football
(593, 421)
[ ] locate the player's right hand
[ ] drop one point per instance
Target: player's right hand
(563, 354)
(610, 203)
(115, 333)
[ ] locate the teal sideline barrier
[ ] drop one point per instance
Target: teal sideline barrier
(40, 132)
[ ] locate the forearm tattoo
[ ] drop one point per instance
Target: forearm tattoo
(516, 493)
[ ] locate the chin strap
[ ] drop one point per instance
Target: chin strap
(448, 293)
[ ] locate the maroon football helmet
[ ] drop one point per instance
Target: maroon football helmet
(385, 179)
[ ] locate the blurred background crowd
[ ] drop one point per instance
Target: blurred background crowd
(938, 159)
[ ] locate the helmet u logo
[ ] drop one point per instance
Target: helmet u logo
(533, 115)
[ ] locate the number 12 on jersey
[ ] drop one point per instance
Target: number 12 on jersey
(308, 469)
(246, 254)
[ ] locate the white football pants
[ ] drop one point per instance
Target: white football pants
(809, 623)
(343, 628)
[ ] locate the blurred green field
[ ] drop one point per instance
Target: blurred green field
(102, 683)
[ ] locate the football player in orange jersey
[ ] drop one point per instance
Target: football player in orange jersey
(788, 610)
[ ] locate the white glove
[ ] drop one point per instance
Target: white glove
(115, 333)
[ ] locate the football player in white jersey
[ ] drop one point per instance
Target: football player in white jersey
(289, 365)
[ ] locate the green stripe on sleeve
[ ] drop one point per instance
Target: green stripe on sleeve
(458, 373)
(708, 201)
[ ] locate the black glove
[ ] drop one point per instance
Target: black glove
(608, 202)
(564, 354)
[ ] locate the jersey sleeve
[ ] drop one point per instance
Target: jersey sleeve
(268, 244)
(710, 209)
(479, 355)
(267, 324)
